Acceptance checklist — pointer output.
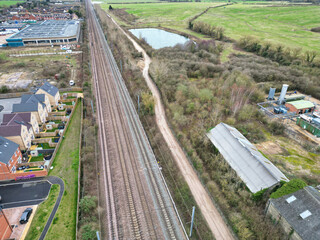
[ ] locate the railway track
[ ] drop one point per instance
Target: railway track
(137, 203)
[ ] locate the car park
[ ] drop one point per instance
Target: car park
(25, 216)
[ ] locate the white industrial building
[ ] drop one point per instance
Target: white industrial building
(256, 171)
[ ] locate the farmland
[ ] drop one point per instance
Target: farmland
(288, 25)
(168, 15)
(280, 25)
(8, 3)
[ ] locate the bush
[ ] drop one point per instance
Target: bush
(4, 89)
(289, 187)
(88, 233)
(3, 57)
(259, 195)
(20, 65)
(276, 128)
(87, 204)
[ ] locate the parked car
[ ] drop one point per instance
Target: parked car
(71, 82)
(25, 215)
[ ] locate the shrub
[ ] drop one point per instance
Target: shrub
(4, 89)
(289, 187)
(3, 57)
(259, 195)
(88, 233)
(87, 204)
(20, 65)
(276, 128)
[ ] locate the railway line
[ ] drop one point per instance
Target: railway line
(137, 204)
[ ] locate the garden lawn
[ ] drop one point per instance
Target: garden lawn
(65, 165)
(42, 214)
(289, 26)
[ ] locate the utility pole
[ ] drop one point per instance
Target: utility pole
(138, 104)
(192, 218)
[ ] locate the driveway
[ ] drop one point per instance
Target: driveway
(18, 194)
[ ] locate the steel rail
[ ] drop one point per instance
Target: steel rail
(110, 86)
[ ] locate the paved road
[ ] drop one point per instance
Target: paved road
(53, 180)
(25, 193)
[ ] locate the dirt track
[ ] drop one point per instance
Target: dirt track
(209, 211)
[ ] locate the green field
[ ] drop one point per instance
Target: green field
(42, 214)
(8, 3)
(289, 26)
(65, 166)
(169, 15)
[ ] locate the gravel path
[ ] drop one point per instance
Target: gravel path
(215, 221)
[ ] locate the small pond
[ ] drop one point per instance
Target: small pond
(158, 38)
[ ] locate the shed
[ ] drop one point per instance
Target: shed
(311, 127)
(256, 171)
(298, 213)
(300, 107)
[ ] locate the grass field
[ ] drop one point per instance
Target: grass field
(289, 26)
(169, 15)
(8, 3)
(42, 214)
(65, 166)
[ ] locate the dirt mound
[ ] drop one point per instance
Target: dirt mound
(316, 29)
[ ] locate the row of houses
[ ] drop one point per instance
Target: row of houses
(19, 128)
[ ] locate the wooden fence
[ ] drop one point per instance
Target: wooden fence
(61, 137)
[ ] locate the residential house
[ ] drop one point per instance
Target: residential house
(29, 117)
(51, 91)
(42, 98)
(34, 106)
(20, 133)
(5, 227)
(10, 156)
(298, 213)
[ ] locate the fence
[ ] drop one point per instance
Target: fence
(47, 134)
(61, 137)
(13, 95)
(45, 140)
(13, 176)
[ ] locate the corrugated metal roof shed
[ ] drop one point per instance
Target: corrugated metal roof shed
(301, 104)
(256, 171)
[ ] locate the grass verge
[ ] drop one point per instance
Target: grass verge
(42, 214)
(65, 166)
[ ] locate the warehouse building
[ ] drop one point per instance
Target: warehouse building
(256, 171)
(49, 32)
(300, 107)
(298, 213)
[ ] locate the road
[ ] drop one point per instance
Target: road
(53, 180)
(24, 193)
(215, 221)
(136, 202)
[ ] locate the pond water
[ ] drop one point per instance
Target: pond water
(158, 38)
